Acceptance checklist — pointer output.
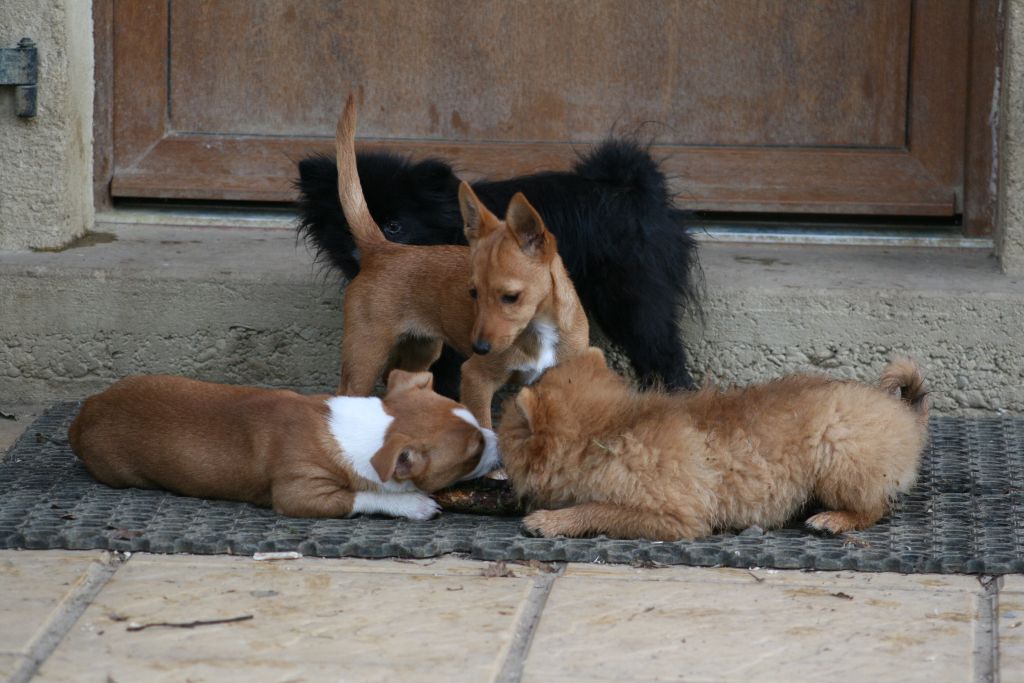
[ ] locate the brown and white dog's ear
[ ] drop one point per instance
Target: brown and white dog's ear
(477, 220)
(526, 405)
(399, 458)
(528, 227)
(400, 380)
(411, 463)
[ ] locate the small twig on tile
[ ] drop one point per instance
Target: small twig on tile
(188, 624)
(276, 555)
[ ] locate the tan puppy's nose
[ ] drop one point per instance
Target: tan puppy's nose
(482, 347)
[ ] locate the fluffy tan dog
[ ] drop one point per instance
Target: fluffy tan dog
(627, 464)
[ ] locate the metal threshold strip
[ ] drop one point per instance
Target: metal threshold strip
(940, 239)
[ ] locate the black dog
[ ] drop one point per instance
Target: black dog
(622, 240)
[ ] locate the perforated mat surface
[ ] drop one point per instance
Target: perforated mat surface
(965, 515)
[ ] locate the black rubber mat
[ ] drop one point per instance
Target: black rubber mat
(966, 515)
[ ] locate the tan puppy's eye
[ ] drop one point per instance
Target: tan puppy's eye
(472, 292)
(510, 298)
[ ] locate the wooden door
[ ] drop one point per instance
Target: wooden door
(814, 106)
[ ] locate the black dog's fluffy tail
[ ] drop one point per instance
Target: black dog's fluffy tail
(321, 221)
(627, 166)
(624, 163)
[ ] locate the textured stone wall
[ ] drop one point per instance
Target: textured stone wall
(46, 162)
(247, 307)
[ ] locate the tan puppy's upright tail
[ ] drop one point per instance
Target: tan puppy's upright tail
(904, 375)
(350, 192)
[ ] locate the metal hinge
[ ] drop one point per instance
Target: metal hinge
(19, 66)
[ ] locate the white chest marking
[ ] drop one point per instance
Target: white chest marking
(359, 425)
(490, 459)
(547, 335)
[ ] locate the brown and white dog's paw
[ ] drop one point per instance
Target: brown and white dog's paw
(421, 507)
(409, 505)
(543, 523)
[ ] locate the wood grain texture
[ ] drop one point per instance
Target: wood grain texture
(740, 72)
(140, 78)
(261, 169)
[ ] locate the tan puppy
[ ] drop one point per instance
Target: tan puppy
(305, 456)
(669, 467)
(409, 300)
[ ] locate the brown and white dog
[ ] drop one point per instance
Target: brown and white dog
(631, 464)
(507, 298)
(305, 456)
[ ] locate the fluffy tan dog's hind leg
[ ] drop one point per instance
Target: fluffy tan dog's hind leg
(615, 521)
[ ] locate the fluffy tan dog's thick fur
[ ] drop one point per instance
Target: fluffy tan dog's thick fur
(615, 461)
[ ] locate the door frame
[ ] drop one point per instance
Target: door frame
(144, 109)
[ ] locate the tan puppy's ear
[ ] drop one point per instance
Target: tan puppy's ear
(400, 380)
(476, 218)
(526, 405)
(399, 459)
(527, 227)
(595, 356)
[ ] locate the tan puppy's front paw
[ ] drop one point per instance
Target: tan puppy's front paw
(837, 522)
(543, 523)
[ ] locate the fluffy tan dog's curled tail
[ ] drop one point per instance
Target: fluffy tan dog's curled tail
(903, 375)
(364, 229)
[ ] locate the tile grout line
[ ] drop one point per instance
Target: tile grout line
(67, 614)
(515, 661)
(986, 631)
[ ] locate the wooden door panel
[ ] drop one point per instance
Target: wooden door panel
(490, 71)
(823, 106)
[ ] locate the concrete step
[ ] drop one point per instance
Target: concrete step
(244, 303)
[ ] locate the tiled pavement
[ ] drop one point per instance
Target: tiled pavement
(75, 616)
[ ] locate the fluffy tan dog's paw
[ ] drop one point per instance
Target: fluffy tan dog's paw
(836, 522)
(543, 523)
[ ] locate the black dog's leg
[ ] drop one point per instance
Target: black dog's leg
(647, 329)
(447, 373)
